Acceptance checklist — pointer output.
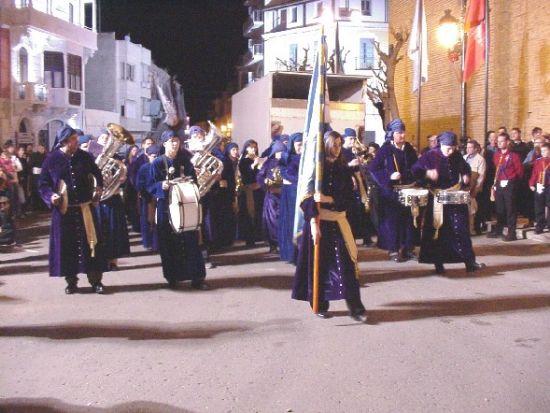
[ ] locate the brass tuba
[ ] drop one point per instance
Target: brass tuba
(207, 166)
(113, 170)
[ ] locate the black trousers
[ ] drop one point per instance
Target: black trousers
(506, 206)
(94, 277)
(542, 201)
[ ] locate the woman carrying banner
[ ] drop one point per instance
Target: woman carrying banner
(328, 226)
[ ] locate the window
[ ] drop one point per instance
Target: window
(74, 71)
(319, 9)
(257, 16)
(71, 13)
(54, 69)
(127, 71)
(294, 15)
(365, 8)
(145, 107)
(366, 54)
(283, 18)
(23, 65)
(145, 75)
(5, 53)
(130, 109)
(344, 4)
(293, 57)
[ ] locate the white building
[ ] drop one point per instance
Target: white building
(118, 86)
(44, 45)
(290, 32)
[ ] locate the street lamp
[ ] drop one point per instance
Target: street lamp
(448, 32)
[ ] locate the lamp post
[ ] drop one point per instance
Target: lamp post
(450, 34)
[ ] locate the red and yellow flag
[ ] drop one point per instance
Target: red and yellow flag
(475, 25)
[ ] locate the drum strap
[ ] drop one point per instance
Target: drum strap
(438, 208)
(89, 226)
(345, 229)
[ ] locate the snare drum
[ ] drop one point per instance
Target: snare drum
(184, 209)
(453, 197)
(413, 197)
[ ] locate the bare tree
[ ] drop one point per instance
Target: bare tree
(381, 89)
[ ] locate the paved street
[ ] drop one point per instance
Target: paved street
(457, 343)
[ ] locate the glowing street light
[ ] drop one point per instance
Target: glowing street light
(448, 32)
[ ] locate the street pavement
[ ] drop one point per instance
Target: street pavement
(455, 343)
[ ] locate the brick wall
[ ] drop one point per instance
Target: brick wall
(519, 71)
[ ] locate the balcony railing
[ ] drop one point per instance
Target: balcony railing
(31, 92)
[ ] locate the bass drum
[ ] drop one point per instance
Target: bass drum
(184, 209)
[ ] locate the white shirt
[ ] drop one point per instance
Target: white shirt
(477, 164)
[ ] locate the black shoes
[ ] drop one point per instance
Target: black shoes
(473, 267)
(172, 284)
(71, 289)
(323, 314)
(538, 231)
(511, 236)
(98, 288)
(113, 267)
(439, 269)
(209, 265)
(200, 286)
(359, 315)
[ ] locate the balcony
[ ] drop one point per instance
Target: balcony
(253, 23)
(30, 17)
(32, 93)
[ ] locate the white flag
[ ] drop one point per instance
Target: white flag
(418, 45)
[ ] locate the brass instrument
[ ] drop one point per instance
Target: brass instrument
(113, 170)
(275, 184)
(207, 166)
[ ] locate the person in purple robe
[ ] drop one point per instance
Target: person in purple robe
(131, 196)
(75, 234)
(114, 227)
(270, 180)
(448, 241)
(147, 203)
(390, 168)
(290, 164)
(328, 225)
(180, 254)
(252, 196)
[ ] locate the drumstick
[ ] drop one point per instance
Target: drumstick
(395, 164)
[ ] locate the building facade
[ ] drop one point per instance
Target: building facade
(44, 45)
(118, 86)
(284, 37)
(519, 71)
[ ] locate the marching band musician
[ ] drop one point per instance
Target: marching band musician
(213, 211)
(508, 175)
(392, 167)
(180, 254)
(75, 243)
(445, 235)
(252, 196)
(290, 165)
(228, 196)
(338, 269)
(539, 183)
(112, 216)
(357, 214)
(270, 180)
(131, 192)
(196, 141)
(147, 203)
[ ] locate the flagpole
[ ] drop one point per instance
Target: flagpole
(420, 57)
(487, 44)
(319, 167)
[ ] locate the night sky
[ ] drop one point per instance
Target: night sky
(199, 41)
